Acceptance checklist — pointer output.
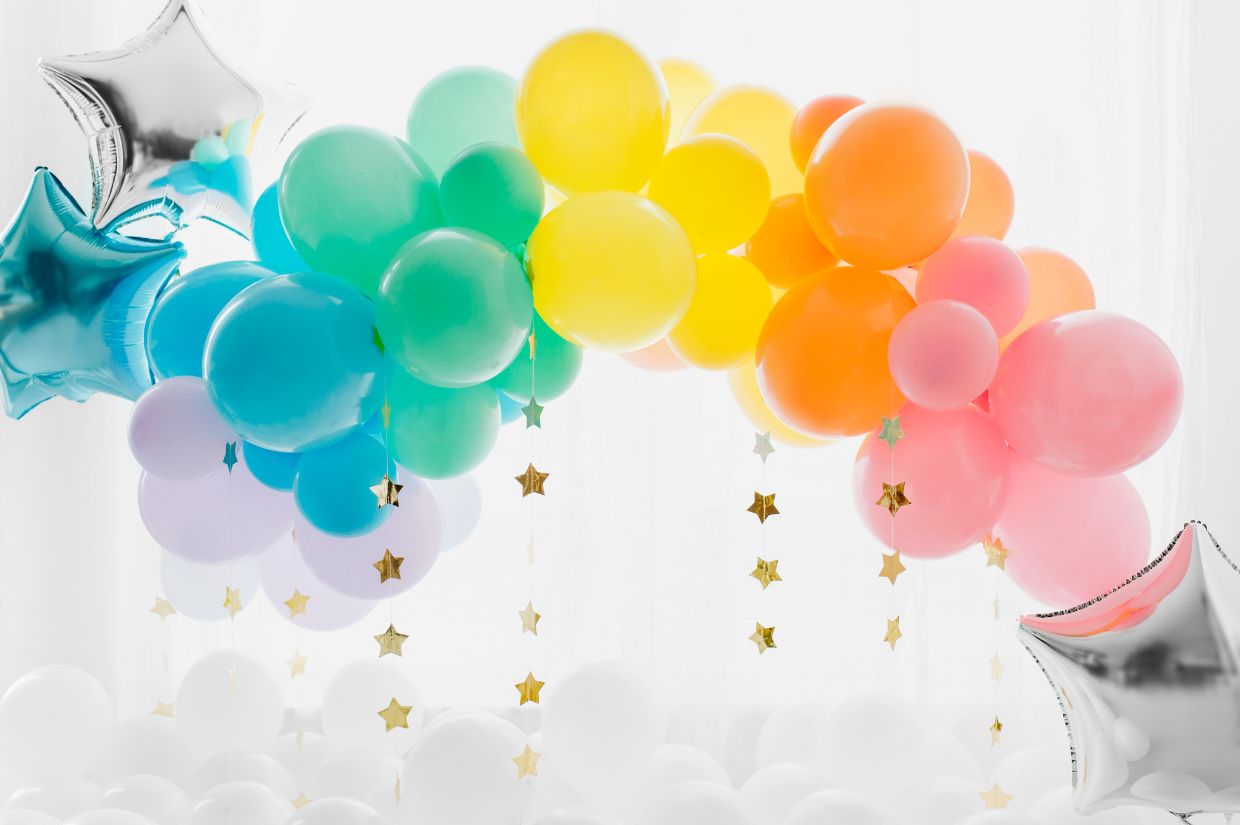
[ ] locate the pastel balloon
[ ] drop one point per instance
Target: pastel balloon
(822, 354)
(729, 306)
(197, 590)
(954, 466)
(438, 432)
(549, 374)
(981, 272)
(1057, 286)
(688, 84)
(273, 468)
(460, 508)
(743, 382)
(716, 188)
(785, 247)
(175, 432)
(493, 188)
(759, 118)
(332, 487)
(813, 120)
(351, 701)
(886, 185)
(283, 572)
(611, 271)
(229, 700)
(54, 720)
(272, 244)
(988, 209)
(458, 109)
(592, 113)
(943, 354)
(656, 357)
(509, 408)
(1089, 393)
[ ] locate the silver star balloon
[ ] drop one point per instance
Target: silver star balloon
(173, 123)
(1148, 679)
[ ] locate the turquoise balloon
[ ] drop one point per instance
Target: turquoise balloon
(493, 188)
(459, 108)
(272, 244)
(350, 198)
(332, 488)
(556, 368)
(438, 432)
(177, 332)
(274, 469)
(454, 307)
(509, 408)
(291, 362)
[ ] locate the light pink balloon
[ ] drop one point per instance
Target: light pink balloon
(1088, 393)
(984, 273)
(175, 432)
(1068, 538)
(943, 354)
(954, 468)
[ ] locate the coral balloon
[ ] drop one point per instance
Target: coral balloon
(954, 466)
(886, 185)
(1057, 286)
(658, 357)
(785, 248)
(822, 355)
(813, 120)
(759, 118)
(729, 306)
(991, 202)
(592, 113)
(688, 84)
(1088, 394)
(981, 272)
(743, 382)
(943, 354)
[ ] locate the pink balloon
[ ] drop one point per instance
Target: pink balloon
(954, 468)
(943, 354)
(1089, 393)
(1068, 538)
(981, 272)
(175, 432)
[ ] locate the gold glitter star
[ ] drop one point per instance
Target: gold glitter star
(163, 608)
(232, 601)
(388, 566)
(763, 506)
(529, 618)
(533, 413)
(890, 432)
(892, 567)
(893, 633)
(165, 709)
(297, 665)
(996, 728)
(391, 641)
(526, 762)
(296, 603)
(893, 498)
(763, 638)
(996, 668)
(301, 801)
(395, 715)
(531, 481)
(387, 492)
(529, 688)
(995, 798)
(766, 572)
(996, 553)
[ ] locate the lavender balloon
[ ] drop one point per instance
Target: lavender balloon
(197, 590)
(175, 432)
(283, 571)
(460, 506)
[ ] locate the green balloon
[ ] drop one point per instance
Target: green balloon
(459, 108)
(558, 362)
(438, 432)
(454, 307)
(493, 188)
(350, 198)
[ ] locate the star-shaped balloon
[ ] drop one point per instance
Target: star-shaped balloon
(74, 302)
(173, 123)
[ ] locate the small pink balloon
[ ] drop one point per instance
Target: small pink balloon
(954, 468)
(1068, 538)
(981, 272)
(1089, 393)
(175, 432)
(943, 354)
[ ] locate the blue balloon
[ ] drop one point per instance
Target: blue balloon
(272, 468)
(184, 313)
(509, 408)
(332, 488)
(271, 241)
(292, 363)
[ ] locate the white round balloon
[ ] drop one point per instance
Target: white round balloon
(241, 802)
(253, 766)
(462, 772)
(874, 745)
(951, 757)
(356, 774)
(109, 816)
(198, 590)
(1003, 817)
(353, 699)
(59, 796)
(336, 812)
(302, 754)
(701, 803)
(16, 816)
(1030, 772)
(154, 797)
(776, 790)
(570, 816)
(54, 720)
(943, 801)
(229, 700)
(147, 744)
(836, 806)
(795, 734)
(672, 764)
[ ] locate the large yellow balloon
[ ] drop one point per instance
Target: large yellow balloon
(715, 188)
(760, 119)
(592, 113)
(729, 305)
(743, 381)
(688, 84)
(611, 270)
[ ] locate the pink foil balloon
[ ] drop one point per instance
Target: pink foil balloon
(175, 432)
(943, 354)
(954, 468)
(1088, 394)
(981, 272)
(1070, 539)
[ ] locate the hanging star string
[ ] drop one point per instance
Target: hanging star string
(388, 566)
(996, 668)
(893, 633)
(763, 638)
(892, 567)
(387, 492)
(995, 798)
(301, 801)
(529, 618)
(766, 572)
(996, 553)
(297, 665)
(391, 642)
(163, 608)
(527, 762)
(762, 446)
(890, 431)
(395, 715)
(893, 498)
(529, 688)
(996, 728)
(533, 413)
(763, 506)
(230, 455)
(296, 603)
(232, 601)
(532, 481)
(167, 709)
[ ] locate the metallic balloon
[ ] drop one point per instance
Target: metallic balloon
(172, 123)
(1148, 680)
(74, 302)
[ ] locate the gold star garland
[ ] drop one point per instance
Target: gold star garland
(892, 500)
(765, 571)
(996, 558)
(532, 482)
(391, 641)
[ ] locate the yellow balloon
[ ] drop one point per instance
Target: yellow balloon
(715, 188)
(611, 270)
(730, 304)
(592, 113)
(760, 119)
(743, 381)
(688, 84)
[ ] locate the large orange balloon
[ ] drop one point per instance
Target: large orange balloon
(813, 120)
(886, 185)
(785, 248)
(822, 355)
(988, 210)
(1057, 286)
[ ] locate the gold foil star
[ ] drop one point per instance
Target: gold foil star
(766, 572)
(388, 566)
(526, 762)
(300, 802)
(391, 641)
(387, 492)
(893, 633)
(996, 668)
(996, 553)
(395, 715)
(890, 432)
(529, 618)
(163, 608)
(165, 709)
(762, 446)
(232, 601)
(297, 665)
(995, 798)
(996, 728)
(533, 413)
(529, 688)
(763, 638)
(531, 481)
(892, 566)
(296, 603)
(763, 506)
(893, 498)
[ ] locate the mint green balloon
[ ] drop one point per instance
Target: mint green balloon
(556, 366)
(459, 108)
(454, 307)
(350, 198)
(493, 188)
(438, 432)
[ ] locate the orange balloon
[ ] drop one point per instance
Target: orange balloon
(785, 248)
(822, 356)
(813, 120)
(658, 357)
(991, 202)
(1057, 286)
(886, 185)
(743, 381)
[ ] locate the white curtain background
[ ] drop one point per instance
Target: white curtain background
(1117, 123)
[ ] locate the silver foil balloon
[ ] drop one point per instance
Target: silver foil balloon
(173, 123)
(1148, 680)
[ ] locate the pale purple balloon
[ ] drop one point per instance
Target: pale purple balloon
(412, 532)
(175, 432)
(283, 570)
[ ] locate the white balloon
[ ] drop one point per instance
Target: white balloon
(147, 745)
(874, 745)
(701, 803)
(54, 720)
(946, 755)
(154, 797)
(672, 764)
(1002, 818)
(302, 754)
(198, 590)
(229, 700)
(234, 803)
(1030, 772)
(252, 766)
(461, 772)
(796, 735)
(838, 807)
(943, 801)
(352, 701)
(569, 816)
(26, 817)
(59, 796)
(1056, 808)
(109, 816)
(460, 506)
(336, 812)
(776, 790)
(355, 774)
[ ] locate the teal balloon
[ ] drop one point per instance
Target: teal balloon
(272, 468)
(291, 363)
(184, 313)
(509, 408)
(459, 108)
(493, 188)
(454, 307)
(350, 197)
(438, 432)
(272, 244)
(556, 368)
(332, 488)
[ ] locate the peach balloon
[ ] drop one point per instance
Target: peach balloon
(943, 354)
(1057, 286)
(658, 357)
(743, 382)
(991, 202)
(812, 121)
(785, 248)
(981, 272)
(886, 185)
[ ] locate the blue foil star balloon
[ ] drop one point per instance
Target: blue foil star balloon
(74, 302)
